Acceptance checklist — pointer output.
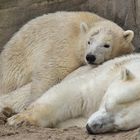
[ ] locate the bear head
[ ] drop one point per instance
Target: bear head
(106, 40)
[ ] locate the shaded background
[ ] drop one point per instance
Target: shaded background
(15, 13)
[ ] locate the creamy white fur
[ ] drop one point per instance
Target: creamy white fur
(48, 48)
(110, 92)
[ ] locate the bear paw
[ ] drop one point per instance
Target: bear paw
(20, 120)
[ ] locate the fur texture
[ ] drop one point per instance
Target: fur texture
(110, 92)
(48, 48)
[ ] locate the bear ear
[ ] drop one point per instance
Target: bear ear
(126, 74)
(128, 35)
(83, 27)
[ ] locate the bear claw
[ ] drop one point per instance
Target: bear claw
(19, 120)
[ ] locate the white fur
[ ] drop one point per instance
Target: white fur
(102, 93)
(48, 48)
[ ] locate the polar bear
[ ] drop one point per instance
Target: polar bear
(48, 48)
(110, 92)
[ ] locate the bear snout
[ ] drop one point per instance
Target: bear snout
(89, 130)
(90, 58)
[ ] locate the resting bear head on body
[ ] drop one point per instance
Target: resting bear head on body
(105, 41)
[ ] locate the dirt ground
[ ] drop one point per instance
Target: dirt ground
(74, 133)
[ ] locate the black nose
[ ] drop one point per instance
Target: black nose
(90, 58)
(89, 129)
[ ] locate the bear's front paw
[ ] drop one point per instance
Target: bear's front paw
(20, 120)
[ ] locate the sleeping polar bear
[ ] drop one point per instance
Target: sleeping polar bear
(109, 94)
